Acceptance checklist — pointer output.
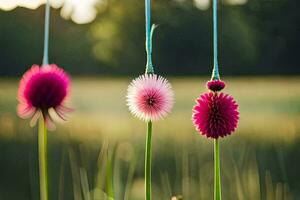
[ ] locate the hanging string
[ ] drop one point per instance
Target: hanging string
(149, 34)
(215, 73)
(46, 34)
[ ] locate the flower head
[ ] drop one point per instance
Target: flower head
(215, 85)
(215, 114)
(41, 89)
(150, 97)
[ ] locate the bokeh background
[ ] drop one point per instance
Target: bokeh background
(98, 153)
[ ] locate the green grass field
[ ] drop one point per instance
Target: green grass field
(259, 161)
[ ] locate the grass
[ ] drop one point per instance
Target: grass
(100, 149)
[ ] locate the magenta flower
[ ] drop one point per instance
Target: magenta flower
(215, 85)
(43, 88)
(215, 114)
(150, 97)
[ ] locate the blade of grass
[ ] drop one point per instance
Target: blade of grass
(100, 177)
(130, 178)
(61, 177)
(185, 174)
(166, 187)
(75, 175)
(84, 184)
(110, 173)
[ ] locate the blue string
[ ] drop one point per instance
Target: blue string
(46, 34)
(215, 73)
(149, 33)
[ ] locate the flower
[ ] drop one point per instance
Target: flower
(150, 97)
(215, 114)
(215, 85)
(41, 89)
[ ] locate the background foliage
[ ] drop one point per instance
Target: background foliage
(259, 37)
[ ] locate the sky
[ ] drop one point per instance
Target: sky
(84, 11)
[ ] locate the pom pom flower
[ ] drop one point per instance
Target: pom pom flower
(150, 97)
(43, 88)
(215, 114)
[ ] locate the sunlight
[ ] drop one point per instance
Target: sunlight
(82, 12)
(205, 4)
(79, 11)
(202, 4)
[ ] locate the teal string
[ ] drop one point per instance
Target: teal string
(46, 34)
(215, 73)
(149, 34)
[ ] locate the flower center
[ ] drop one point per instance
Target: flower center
(46, 91)
(151, 101)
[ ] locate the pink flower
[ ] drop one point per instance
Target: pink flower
(215, 85)
(215, 114)
(150, 97)
(43, 88)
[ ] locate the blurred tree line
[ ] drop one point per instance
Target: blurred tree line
(259, 37)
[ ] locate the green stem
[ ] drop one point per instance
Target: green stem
(217, 189)
(148, 162)
(42, 140)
